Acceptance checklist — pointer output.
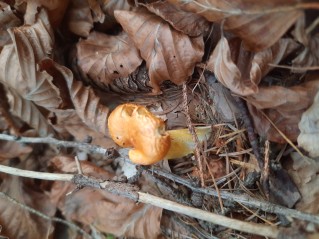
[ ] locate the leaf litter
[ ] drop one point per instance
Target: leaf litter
(66, 65)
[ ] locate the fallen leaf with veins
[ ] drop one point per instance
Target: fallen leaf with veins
(104, 57)
(108, 213)
(169, 54)
(241, 71)
(260, 24)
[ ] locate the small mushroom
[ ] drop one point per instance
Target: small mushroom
(134, 126)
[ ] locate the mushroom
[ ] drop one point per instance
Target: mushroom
(134, 126)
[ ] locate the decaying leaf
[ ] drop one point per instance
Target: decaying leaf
(55, 8)
(107, 212)
(16, 221)
(104, 57)
(19, 60)
(260, 24)
(284, 107)
(7, 20)
(109, 6)
(309, 129)
(304, 172)
(11, 149)
(87, 104)
(79, 17)
(98, 15)
(169, 54)
(309, 56)
(241, 71)
(189, 23)
(29, 113)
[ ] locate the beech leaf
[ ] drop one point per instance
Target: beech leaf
(309, 56)
(284, 106)
(29, 113)
(30, 45)
(107, 212)
(17, 222)
(169, 54)
(87, 104)
(305, 173)
(241, 71)
(11, 149)
(187, 22)
(309, 129)
(104, 57)
(7, 20)
(79, 18)
(260, 24)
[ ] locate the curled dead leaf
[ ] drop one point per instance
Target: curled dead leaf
(79, 18)
(309, 129)
(87, 104)
(29, 113)
(189, 23)
(19, 61)
(260, 24)
(169, 54)
(304, 171)
(241, 71)
(283, 106)
(11, 149)
(309, 56)
(104, 57)
(55, 8)
(17, 222)
(109, 213)
(7, 20)
(134, 126)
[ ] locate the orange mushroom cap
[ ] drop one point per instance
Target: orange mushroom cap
(134, 126)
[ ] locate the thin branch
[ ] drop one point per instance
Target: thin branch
(61, 143)
(46, 217)
(244, 199)
(119, 188)
(193, 133)
(240, 198)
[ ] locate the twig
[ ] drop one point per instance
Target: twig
(246, 200)
(250, 131)
(40, 214)
(122, 189)
(243, 199)
(61, 143)
(193, 133)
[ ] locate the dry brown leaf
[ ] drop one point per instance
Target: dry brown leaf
(104, 57)
(309, 56)
(7, 20)
(109, 6)
(11, 149)
(309, 129)
(284, 107)
(259, 24)
(304, 171)
(29, 113)
(79, 17)
(68, 122)
(18, 222)
(19, 60)
(189, 23)
(56, 10)
(87, 104)
(241, 71)
(169, 54)
(98, 15)
(107, 212)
